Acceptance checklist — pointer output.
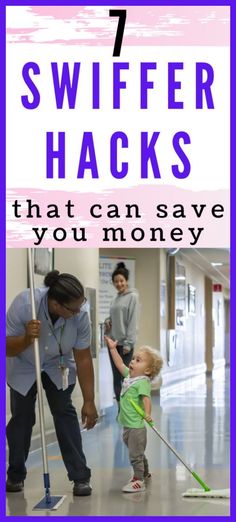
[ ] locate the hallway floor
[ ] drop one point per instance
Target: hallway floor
(193, 416)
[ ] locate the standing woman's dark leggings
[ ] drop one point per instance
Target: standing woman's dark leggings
(117, 377)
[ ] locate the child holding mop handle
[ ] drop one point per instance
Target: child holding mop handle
(144, 366)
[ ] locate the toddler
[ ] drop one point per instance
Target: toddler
(144, 366)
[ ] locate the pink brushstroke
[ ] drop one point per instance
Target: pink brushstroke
(216, 230)
(145, 25)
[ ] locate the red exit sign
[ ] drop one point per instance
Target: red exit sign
(217, 288)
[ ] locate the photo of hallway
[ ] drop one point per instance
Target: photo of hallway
(184, 314)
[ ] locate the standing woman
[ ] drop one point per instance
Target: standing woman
(122, 324)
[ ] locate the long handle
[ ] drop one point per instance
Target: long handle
(151, 424)
(38, 368)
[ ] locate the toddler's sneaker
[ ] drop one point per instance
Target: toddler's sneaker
(134, 485)
(147, 477)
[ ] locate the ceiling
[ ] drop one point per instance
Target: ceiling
(203, 257)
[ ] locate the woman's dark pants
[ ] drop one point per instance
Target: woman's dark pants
(19, 430)
(117, 377)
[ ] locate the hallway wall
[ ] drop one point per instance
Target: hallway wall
(147, 282)
(16, 273)
(219, 329)
(186, 357)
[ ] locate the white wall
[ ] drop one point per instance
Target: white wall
(83, 263)
(16, 272)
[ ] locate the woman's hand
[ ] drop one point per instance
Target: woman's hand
(107, 326)
(126, 349)
(16, 344)
(32, 330)
(89, 414)
(110, 343)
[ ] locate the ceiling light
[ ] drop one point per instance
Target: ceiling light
(216, 264)
(172, 251)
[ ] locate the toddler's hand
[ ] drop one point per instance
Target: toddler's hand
(148, 418)
(110, 343)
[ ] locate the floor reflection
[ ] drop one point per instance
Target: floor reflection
(193, 416)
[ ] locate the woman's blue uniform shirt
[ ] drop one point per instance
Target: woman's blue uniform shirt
(74, 332)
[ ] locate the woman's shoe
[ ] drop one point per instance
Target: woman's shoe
(14, 487)
(82, 489)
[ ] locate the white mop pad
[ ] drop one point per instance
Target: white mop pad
(213, 493)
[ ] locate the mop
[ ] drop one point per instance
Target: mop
(193, 492)
(48, 501)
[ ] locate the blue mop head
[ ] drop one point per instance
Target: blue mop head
(53, 504)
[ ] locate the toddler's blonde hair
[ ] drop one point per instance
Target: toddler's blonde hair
(156, 361)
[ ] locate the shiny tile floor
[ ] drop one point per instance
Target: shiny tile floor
(193, 416)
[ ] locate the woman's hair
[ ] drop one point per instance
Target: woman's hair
(156, 361)
(63, 287)
(120, 270)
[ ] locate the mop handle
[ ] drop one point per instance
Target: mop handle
(38, 368)
(151, 424)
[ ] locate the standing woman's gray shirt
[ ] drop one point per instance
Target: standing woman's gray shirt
(124, 316)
